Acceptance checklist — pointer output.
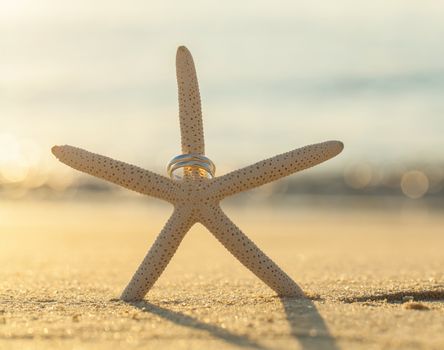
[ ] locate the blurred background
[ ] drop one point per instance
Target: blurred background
(273, 76)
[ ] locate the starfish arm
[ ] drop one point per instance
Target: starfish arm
(190, 113)
(238, 244)
(120, 173)
(275, 168)
(159, 255)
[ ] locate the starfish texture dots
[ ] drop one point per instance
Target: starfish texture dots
(196, 196)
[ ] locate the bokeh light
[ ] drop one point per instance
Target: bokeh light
(414, 184)
(358, 175)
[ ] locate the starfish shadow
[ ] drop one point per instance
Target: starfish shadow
(307, 325)
(188, 321)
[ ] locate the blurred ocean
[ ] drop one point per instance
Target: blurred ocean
(273, 76)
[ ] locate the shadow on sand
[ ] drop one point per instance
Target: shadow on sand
(188, 321)
(306, 324)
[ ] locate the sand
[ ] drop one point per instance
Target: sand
(375, 280)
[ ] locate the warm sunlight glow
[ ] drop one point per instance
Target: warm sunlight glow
(16, 158)
(14, 172)
(9, 148)
(12, 164)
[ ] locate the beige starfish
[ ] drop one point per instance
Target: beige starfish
(196, 197)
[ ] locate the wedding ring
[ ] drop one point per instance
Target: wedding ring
(191, 160)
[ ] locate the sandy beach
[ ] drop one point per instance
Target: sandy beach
(374, 281)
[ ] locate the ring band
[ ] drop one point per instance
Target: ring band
(191, 160)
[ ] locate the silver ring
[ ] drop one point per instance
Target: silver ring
(191, 160)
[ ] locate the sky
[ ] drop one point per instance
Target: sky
(274, 76)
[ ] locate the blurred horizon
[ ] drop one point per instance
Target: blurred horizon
(100, 75)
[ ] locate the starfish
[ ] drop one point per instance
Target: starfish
(197, 194)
